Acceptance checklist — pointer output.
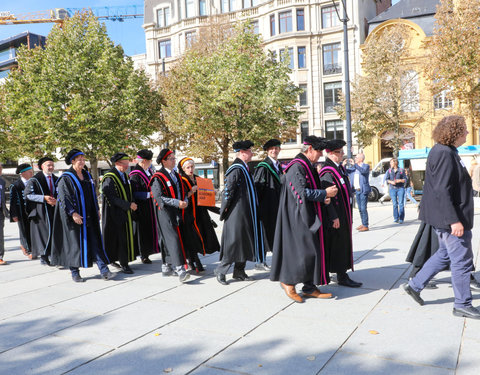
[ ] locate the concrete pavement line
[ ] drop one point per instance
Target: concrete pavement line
(359, 324)
(227, 370)
(91, 360)
(395, 360)
(460, 347)
(237, 340)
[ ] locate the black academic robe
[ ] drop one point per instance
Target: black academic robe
(166, 194)
(424, 245)
(268, 185)
(18, 209)
(200, 233)
(40, 214)
(298, 252)
(338, 242)
(242, 236)
(72, 243)
(144, 224)
(117, 222)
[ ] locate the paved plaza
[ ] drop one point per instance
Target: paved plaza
(148, 324)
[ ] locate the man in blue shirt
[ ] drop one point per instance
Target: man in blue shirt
(358, 174)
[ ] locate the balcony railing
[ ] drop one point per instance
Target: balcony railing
(332, 69)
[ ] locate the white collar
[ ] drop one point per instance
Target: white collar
(47, 175)
(275, 162)
(24, 180)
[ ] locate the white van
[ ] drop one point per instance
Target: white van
(376, 179)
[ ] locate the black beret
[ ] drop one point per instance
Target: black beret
(119, 156)
(22, 168)
(72, 155)
(43, 160)
(335, 144)
(163, 154)
(145, 154)
(242, 145)
(317, 143)
(271, 143)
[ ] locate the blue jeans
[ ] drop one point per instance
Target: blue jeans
(398, 200)
(455, 252)
(408, 194)
(362, 199)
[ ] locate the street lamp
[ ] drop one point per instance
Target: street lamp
(346, 78)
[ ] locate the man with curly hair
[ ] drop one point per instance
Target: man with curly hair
(447, 205)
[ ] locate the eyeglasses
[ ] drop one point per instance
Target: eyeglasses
(171, 158)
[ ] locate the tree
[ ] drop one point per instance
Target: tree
(80, 91)
(454, 59)
(387, 93)
(226, 88)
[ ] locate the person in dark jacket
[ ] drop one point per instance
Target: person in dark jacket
(18, 213)
(267, 183)
(76, 239)
(242, 236)
(298, 251)
(144, 225)
(359, 174)
(447, 205)
(117, 208)
(395, 178)
(3, 214)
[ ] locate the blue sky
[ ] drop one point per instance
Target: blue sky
(128, 33)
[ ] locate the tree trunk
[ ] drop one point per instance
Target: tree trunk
(94, 171)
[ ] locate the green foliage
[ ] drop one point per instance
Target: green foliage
(227, 88)
(80, 91)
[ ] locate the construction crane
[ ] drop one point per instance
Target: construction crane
(58, 15)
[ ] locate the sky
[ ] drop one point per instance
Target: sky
(129, 33)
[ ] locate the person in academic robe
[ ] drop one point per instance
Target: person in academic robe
(170, 200)
(242, 236)
(337, 223)
(197, 229)
(76, 236)
(117, 209)
(144, 225)
(41, 194)
(298, 252)
(267, 183)
(18, 211)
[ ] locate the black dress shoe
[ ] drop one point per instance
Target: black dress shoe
(345, 280)
(116, 265)
(221, 279)
(412, 293)
(146, 261)
(44, 260)
(241, 275)
(127, 269)
(78, 279)
(474, 284)
(467, 312)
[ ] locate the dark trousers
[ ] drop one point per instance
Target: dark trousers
(456, 252)
(96, 249)
(2, 239)
(308, 287)
(224, 266)
(362, 200)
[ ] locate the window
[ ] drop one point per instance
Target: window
(334, 129)
(331, 95)
(272, 24)
(303, 130)
(163, 17)
(331, 62)
(273, 55)
(302, 97)
(292, 140)
(301, 57)
(165, 48)
(443, 100)
(189, 8)
(300, 20)
(410, 91)
(255, 2)
(202, 7)
(290, 55)
(255, 27)
(246, 3)
(232, 5)
(285, 21)
(224, 4)
(189, 38)
(329, 17)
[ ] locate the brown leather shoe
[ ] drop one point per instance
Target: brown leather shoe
(360, 226)
(24, 251)
(317, 294)
(363, 229)
(291, 292)
(2, 262)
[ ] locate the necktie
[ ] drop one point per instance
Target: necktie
(50, 185)
(123, 177)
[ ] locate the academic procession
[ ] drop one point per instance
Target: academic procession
(287, 239)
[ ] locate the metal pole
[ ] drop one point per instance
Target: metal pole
(347, 82)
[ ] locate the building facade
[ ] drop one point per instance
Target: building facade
(309, 30)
